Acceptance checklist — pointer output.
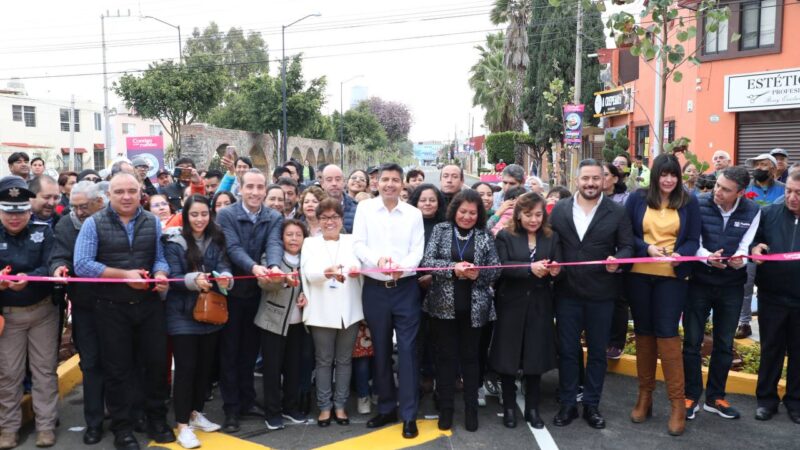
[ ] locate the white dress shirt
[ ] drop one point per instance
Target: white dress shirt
(581, 219)
(744, 245)
(378, 233)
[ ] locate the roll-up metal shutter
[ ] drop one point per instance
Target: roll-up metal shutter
(759, 132)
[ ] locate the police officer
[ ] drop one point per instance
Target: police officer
(31, 329)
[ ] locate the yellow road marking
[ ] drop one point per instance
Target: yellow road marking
(217, 440)
(390, 438)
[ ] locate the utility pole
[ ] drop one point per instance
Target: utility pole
(578, 55)
(71, 165)
(106, 110)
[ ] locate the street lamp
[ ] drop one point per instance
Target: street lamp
(177, 27)
(283, 77)
(341, 118)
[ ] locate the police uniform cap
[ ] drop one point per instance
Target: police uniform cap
(14, 194)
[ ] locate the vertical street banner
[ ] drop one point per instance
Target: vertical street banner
(150, 148)
(573, 124)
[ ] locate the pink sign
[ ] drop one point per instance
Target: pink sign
(573, 124)
(150, 148)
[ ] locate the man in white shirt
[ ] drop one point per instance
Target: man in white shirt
(729, 224)
(389, 234)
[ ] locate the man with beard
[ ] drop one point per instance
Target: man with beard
(85, 199)
(590, 227)
(43, 205)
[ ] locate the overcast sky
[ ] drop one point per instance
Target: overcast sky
(433, 43)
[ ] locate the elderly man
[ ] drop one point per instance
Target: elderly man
(333, 185)
(141, 167)
(124, 241)
(721, 160)
(85, 199)
(513, 176)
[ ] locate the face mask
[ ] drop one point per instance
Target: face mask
(761, 175)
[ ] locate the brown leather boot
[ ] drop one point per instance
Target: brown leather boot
(672, 364)
(646, 371)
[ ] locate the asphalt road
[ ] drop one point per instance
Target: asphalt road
(706, 432)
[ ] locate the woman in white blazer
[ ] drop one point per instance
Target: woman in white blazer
(332, 285)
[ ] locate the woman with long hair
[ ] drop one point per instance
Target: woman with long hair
(460, 301)
(357, 182)
(666, 222)
(614, 183)
(487, 195)
(193, 254)
(221, 200)
(309, 200)
(525, 336)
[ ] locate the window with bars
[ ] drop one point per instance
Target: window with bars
(27, 114)
(78, 162)
(64, 115)
(642, 136)
(99, 159)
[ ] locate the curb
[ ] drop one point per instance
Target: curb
(69, 376)
(738, 382)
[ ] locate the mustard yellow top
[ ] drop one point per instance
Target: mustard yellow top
(661, 228)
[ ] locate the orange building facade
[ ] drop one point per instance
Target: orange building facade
(744, 97)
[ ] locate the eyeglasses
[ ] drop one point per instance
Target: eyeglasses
(92, 179)
(159, 204)
(329, 218)
(80, 207)
(361, 179)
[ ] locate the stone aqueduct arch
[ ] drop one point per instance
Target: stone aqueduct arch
(202, 141)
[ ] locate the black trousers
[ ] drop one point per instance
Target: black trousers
(238, 345)
(779, 326)
(532, 391)
(126, 329)
(194, 358)
(457, 344)
(282, 356)
(87, 342)
(619, 323)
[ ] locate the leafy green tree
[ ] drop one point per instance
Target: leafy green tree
(240, 55)
(361, 128)
(173, 94)
(662, 38)
(616, 143)
(552, 46)
(492, 84)
(517, 14)
(257, 105)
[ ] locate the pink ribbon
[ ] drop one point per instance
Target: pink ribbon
(777, 257)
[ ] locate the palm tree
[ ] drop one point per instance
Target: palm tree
(492, 84)
(516, 13)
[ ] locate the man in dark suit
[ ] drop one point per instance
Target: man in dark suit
(590, 227)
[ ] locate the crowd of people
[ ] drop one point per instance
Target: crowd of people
(324, 277)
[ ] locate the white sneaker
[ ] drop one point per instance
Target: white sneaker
(481, 396)
(199, 422)
(187, 439)
(364, 406)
